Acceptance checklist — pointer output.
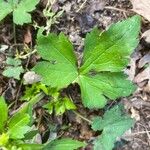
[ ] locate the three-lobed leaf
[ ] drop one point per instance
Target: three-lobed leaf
(105, 56)
(113, 124)
(20, 10)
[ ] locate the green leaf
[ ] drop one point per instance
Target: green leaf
(115, 46)
(31, 146)
(114, 123)
(4, 138)
(49, 106)
(69, 105)
(14, 68)
(18, 126)
(5, 9)
(13, 72)
(64, 144)
(95, 88)
(59, 107)
(59, 68)
(20, 10)
(31, 134)
(3, 114)
(13, 62)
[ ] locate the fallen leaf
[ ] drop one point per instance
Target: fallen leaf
(146, 36)
(144, 75)
(28, 36)
(142, 7)
(135, 114)
(31, 77)
(96, 5)
(144, 60)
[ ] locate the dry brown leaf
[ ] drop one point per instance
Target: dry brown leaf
(144, 75)
(28, 36)
(146, 36)
(135, 114)
(144, 60)
(142, 7)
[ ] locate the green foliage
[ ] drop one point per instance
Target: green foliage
(64, 144)
(13, 68)
(59, 66)
(4, 115)
(15, 127)
(17, 132)
(60, 106)
(57, 104)
(18, 125)
(20, 10)
(105, 56)
(33, 90)
(113, 124)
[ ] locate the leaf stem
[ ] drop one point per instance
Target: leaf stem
(78, 114)
(14, 32)
(27, 55)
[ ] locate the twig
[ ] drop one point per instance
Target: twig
(117, 9)
(28, 55)
(14, 32)
(141, 132)
(82, 5)
(89, 121)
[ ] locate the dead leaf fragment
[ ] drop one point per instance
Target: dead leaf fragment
(96, 5)
(31, 77)
(146, 36)
(27, 36)
(144, 75)
(142, 7)
(144, 60)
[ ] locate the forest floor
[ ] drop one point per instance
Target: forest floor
(78, 18)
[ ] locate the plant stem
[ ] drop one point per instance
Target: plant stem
(14, 32)
(32, 102)
(87, 120)
(27, 55)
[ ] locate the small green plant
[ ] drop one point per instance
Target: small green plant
(100, 75)
(15, 133)
(57, 103)
(19, 8)
(13, 68)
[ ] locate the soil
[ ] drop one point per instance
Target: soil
(75, 22)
